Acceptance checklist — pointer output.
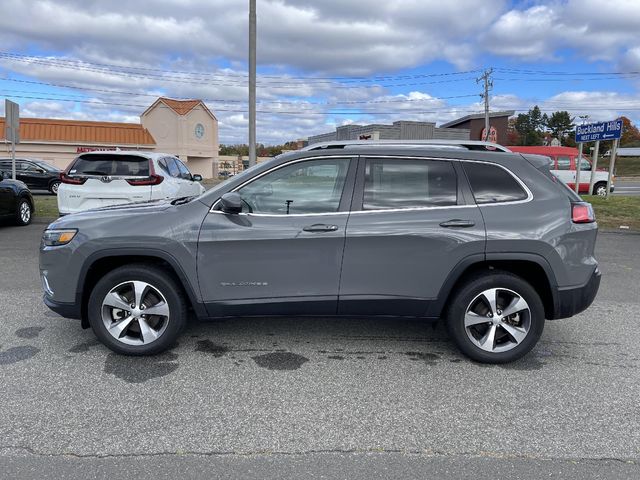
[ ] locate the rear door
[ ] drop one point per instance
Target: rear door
(102, 179)
(412, 221)
(188, 185)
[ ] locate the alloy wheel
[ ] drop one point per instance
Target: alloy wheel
(25, 212)
(497, 320)
(135, 313)
(601, 191)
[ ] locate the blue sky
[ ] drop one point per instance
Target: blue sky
(321, 63)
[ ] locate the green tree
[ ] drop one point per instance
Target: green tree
(560, 124)
(529, 127)
(630, 134)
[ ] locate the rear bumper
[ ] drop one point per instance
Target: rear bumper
(67, 310)
(572, 301)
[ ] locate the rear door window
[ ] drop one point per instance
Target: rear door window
(392, 183)
(172, 167)
(112, 165)
(493, 184)
(184, 171)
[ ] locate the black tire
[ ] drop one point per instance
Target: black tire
(474, 286)
(53, 187)
(24, 212)
(598, 189)
(160, 280)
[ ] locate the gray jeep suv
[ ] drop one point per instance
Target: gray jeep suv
(489, 241)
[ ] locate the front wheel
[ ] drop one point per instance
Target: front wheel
(137, 310)
(495, 318)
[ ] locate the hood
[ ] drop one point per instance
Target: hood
(128, 210)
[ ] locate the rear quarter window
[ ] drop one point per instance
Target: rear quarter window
(493, 184)
(113, 165)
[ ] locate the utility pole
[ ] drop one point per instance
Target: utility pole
(252, 82)
(488, 85)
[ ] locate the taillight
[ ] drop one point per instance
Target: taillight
(152, 180)
(64, 178)
(582, 212)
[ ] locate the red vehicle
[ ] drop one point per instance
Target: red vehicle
(564, 167)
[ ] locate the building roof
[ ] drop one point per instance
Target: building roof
(181, 107)
(76, 131)
(458, 121)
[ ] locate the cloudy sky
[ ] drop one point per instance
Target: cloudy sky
(320, 63)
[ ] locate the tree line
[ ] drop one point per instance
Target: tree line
(537, 128)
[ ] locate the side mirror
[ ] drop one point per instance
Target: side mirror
(231, 202)
(196, 178)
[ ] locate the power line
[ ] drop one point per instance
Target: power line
(218, 100)
(286, 79)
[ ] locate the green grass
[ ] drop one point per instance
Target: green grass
(613, 211)
(625, 166)
(46, 206)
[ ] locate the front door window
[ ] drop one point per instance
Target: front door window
(308, 187)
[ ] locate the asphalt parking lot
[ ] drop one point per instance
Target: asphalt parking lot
(319, 398)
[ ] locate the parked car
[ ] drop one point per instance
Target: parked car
(36, 174)
(491, 242)
(100, 179)
(564, 167)
(16, 202)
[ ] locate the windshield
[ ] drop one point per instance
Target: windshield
(113, 165)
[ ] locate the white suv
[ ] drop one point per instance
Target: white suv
(100, 179)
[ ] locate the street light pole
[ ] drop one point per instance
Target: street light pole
(252, 82)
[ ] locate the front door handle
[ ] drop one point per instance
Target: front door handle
(457, 223)
(320, 227)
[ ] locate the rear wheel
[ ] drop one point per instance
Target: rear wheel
(137, 310)
(23, 213)
(600, 189)
(495, 318)
(53, 187)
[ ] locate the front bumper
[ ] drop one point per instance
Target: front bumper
(571, 301)
(67, 310)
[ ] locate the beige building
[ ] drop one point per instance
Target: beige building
(186, 128)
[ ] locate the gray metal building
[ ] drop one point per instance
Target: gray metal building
(400, 130)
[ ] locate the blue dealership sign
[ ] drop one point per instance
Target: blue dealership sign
(593, 132)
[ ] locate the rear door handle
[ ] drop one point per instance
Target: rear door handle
(457, 223)
(320, 227)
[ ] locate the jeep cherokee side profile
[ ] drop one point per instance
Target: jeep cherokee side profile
(489, 241)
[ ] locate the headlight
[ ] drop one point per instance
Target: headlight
(53, 238)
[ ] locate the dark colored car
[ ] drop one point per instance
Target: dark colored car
(491, 242)
(16, 202)
(36, 174)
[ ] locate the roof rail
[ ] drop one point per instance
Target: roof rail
(437, 143)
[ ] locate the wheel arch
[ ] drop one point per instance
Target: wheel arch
(101, 263)
(531, 267)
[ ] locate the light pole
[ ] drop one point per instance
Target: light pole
(252, 82)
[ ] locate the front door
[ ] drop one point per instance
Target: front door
(283, 253)
(410, 225)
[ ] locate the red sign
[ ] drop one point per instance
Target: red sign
(95, 149)
(493, 135)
